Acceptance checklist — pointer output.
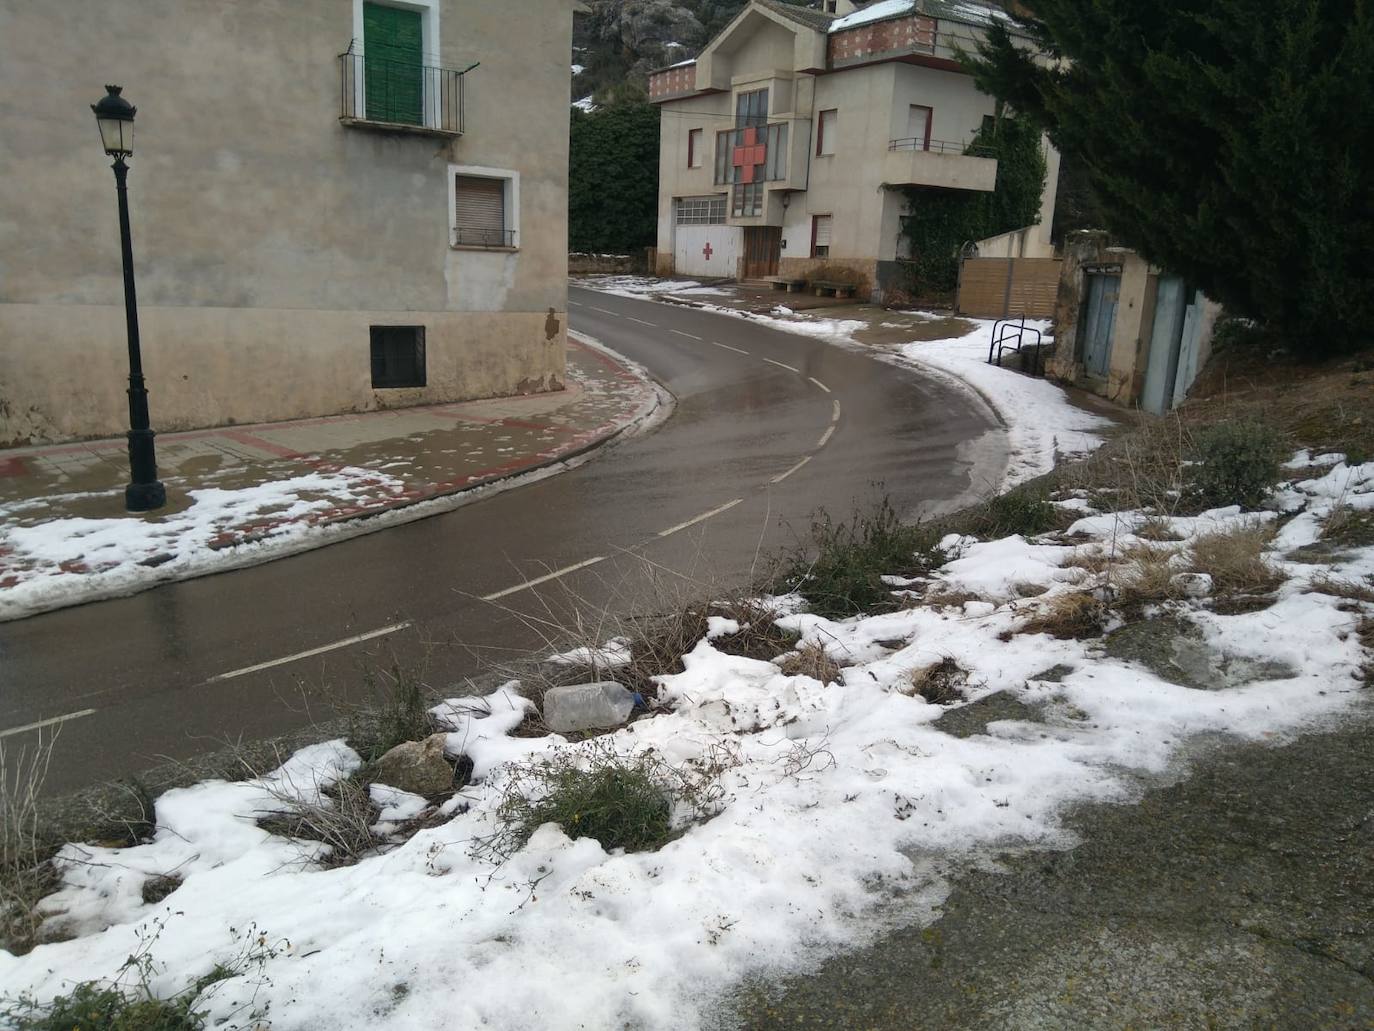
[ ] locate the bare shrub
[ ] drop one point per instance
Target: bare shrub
(26, 873)
(811, 660)
(941, 683)
(341, 819)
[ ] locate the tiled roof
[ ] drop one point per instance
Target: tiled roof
(969, 12)
(808, 16)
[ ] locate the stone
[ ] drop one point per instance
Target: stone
(418, 767)
(1192, 585)
(597, 706)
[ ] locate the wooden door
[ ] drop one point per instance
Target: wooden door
(1099, 319)
(392, 48)
(762, 249)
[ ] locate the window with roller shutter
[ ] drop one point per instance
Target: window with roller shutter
(480, 217)
(820, 236)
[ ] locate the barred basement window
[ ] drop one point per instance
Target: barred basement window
(398, 356)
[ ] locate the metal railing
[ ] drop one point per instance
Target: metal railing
(381, 91)
(1013, 335)
(941, 147)
(464, 236)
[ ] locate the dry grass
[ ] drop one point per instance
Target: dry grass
(1348, 528)
(1074, 614)
(941, 683)
(1146, 575)
(26, 873)
(342, 820)
(1235, 560)
(1157, 529)
(810, 660)
(1338, 587)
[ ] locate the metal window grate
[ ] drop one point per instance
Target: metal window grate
(398, 356)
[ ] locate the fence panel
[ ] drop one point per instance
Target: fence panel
(998, 287)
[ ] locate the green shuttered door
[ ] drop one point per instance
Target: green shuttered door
(392, 48)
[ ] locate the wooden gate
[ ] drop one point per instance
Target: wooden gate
(995, 288)
(762, 249)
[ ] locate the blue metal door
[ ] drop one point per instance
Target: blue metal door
(1104, 289)
(1161, 371)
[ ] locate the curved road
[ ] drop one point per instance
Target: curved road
(769, 426)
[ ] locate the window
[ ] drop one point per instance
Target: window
(751, 108)
(830, 6)
(825, 132)
(820, 236)
(701, 211)
(748, 200)
(918, 119)
(694, 148)
(484, 207)
(398, 356)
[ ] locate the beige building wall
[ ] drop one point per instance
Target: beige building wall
(267, 236)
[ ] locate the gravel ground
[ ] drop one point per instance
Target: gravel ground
(1241, 897)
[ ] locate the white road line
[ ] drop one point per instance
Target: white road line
(575, 304)
(705, 515)
(825, 437)
(689, 336)
(835, 413)
(782, 476)
(818, 383)
(651, 325)
(780, 365)
(47, 723)
(544, 579)
(728, 347)
(335, 646)
(605, 311)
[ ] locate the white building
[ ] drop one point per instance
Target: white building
(788, 143)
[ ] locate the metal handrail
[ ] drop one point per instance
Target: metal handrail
(940, 146)
(1006, 330)
(382, 91)
(464, 236)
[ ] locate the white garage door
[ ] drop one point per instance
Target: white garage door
(706, 251)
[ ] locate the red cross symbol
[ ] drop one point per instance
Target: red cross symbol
(708, 250)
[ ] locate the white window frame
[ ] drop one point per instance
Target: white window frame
(512, 179)
(429, 52)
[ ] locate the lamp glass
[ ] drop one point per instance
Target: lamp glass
(117, 135)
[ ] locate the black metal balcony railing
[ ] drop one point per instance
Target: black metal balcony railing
(942, 147)
(465, 236)
(380, 91)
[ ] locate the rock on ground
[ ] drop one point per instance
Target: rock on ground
(418, 767)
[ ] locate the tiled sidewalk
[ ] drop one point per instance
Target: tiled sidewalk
(62, 513)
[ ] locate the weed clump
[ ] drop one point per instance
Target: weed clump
(839, 570)
(1237, 463)
(1024, 512)
(942, 683)
(1235, 560)
(810, 660)
(1074, 614)
(95, 1007)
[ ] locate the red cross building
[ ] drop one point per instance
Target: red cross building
(708, 250)
(749, 156)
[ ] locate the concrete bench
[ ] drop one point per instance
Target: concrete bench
(787, 283)
(822, 287)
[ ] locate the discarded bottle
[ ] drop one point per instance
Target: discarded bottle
(597, 706)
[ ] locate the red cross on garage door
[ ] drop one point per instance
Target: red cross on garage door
(708, 250)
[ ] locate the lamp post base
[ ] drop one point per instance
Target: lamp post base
(144, 497)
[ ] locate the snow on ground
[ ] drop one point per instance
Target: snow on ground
(636, 286)
(841, 807)
(83, 556)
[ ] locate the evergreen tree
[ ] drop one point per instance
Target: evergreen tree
(1229, 141)
(613, 178)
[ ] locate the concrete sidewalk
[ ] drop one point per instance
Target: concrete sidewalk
(283, 484)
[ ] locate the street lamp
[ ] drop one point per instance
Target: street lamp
(115, 117)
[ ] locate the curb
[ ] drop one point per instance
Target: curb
(261, 548)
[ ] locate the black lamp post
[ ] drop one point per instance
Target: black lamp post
(145, 492)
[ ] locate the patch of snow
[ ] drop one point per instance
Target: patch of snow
(586, 104)
(613, 654)
(578, 69)
(873, 12)
(637, 286)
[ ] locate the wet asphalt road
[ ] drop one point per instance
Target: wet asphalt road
(752, 403)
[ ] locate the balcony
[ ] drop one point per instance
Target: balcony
(948, 165)
(394, 96)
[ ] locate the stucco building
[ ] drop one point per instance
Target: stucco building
(337, 205)
(787, 144)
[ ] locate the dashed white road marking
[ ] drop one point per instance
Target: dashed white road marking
(689, 336)
(780, 365)
(835, 413)
(697, 519)
(825, 437)
(334, 646)
(818, 383)
(782, 476)
(40, 724)
(737, 350)
(651, 325)
(606, 311)
(575, 304)
(544, 579)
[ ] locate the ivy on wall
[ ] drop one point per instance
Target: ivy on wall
(940, 222)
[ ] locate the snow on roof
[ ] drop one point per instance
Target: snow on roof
(968, 11)
(684, 64)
